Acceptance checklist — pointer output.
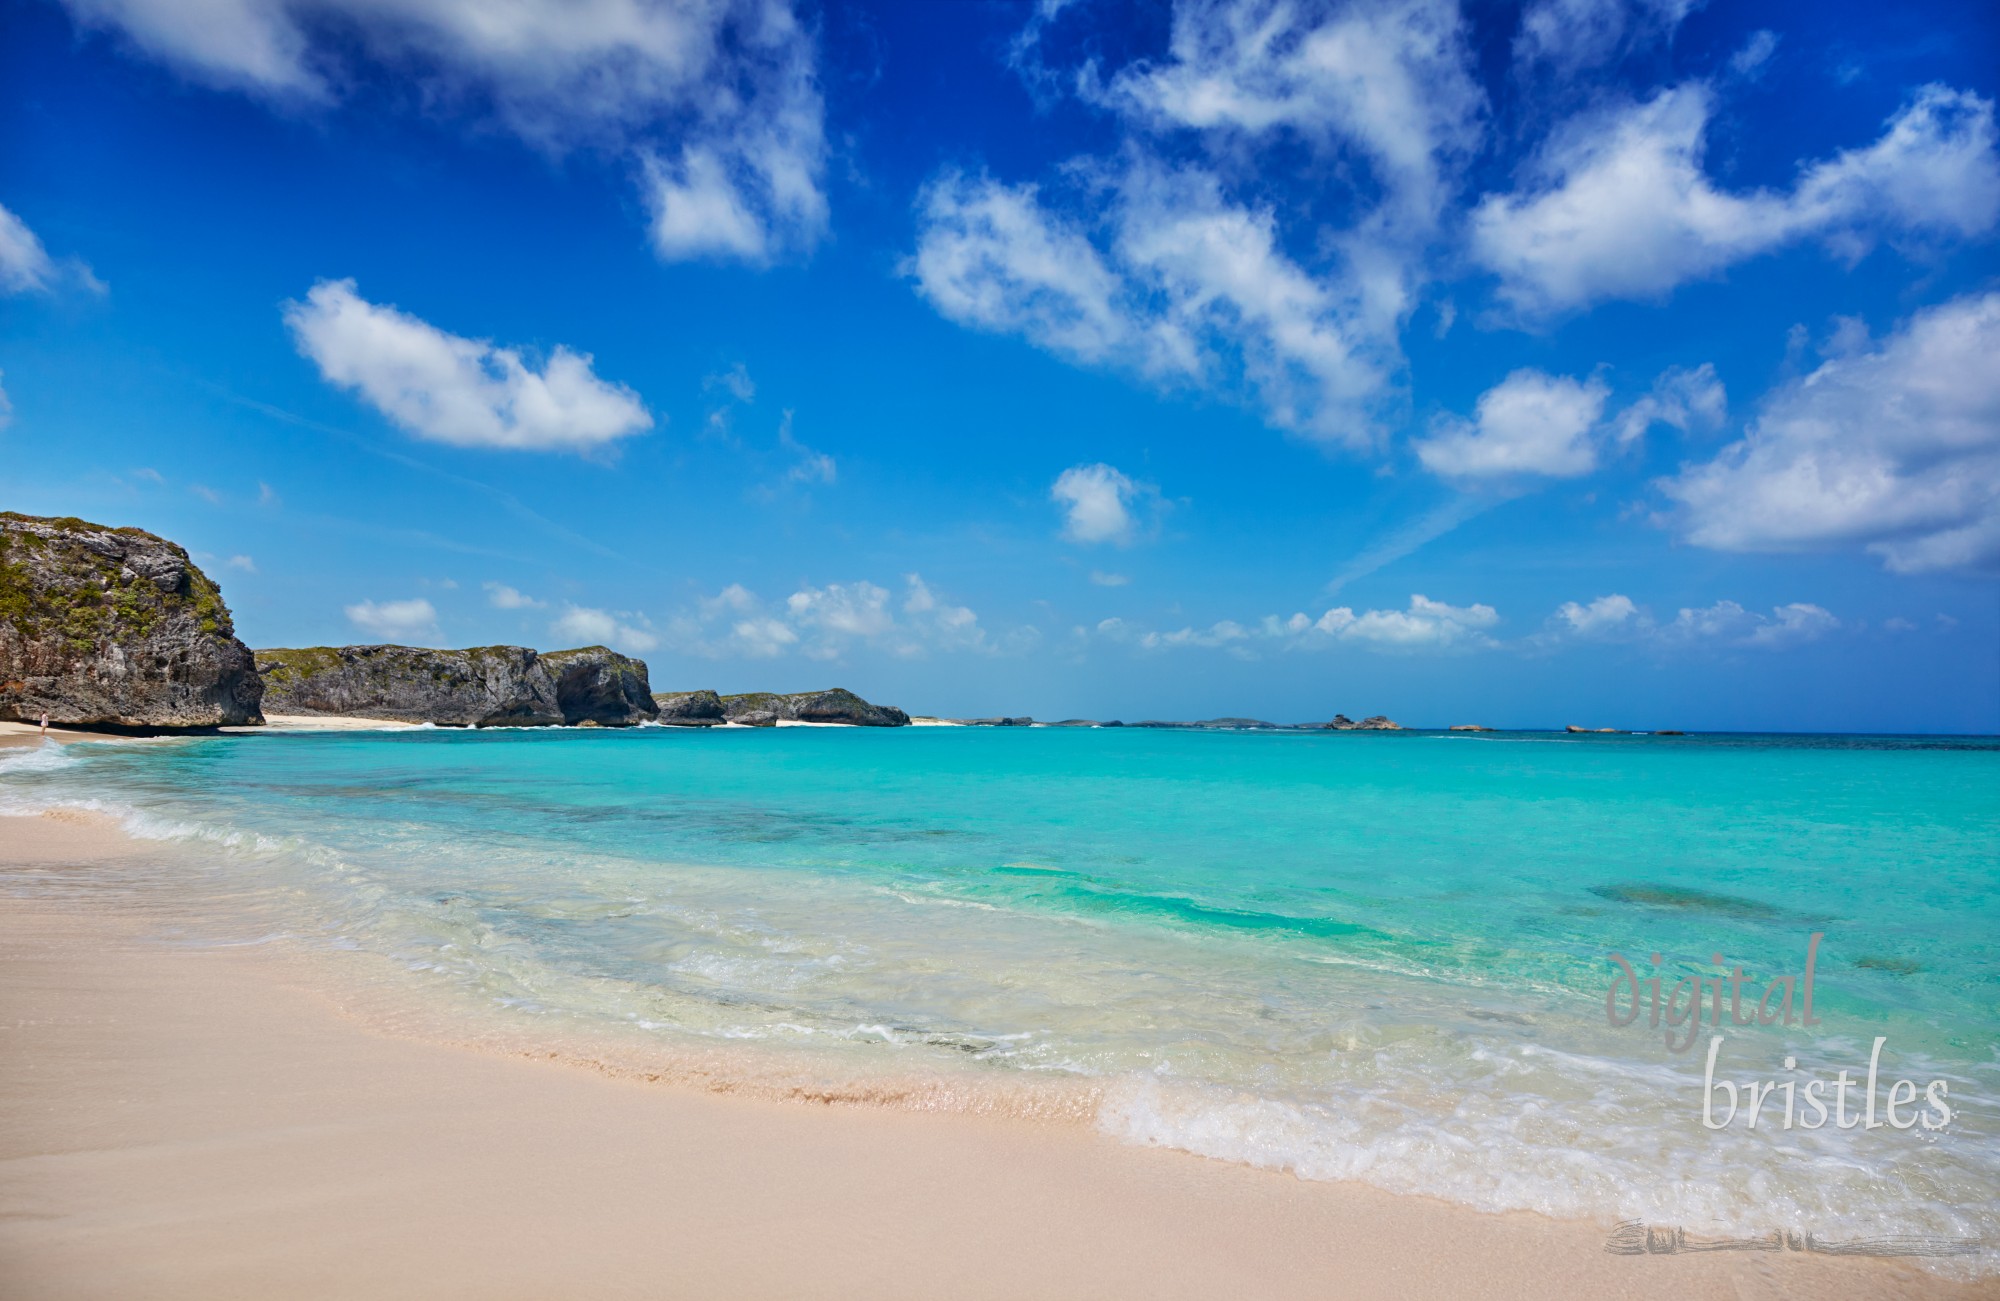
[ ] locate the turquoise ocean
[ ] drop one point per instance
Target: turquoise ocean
(1381, 957)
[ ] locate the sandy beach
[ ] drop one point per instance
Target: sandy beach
(183, 1121)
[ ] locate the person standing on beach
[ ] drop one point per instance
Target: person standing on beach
(45, 722)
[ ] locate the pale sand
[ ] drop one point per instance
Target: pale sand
(325, 723)
(184, 1122)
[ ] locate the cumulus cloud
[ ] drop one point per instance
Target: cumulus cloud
(583, 625)
(27, 268)
(1189, 288)
(1105, 579)
(826, 622)
(1389, 80)
(466, 392)
(1686, 399)
(502, 597)
(993, 257)
(1894, 448)
(1617, 618)
(1728, 622)
(1567, 36)
(1529, 423)
(1618, 205)
(414, 620)
(244, 563)
(1204, 275)
(6, 404)
(1534, 423)
(1605, 615)
(718, 100)
(1097, 503)
(1424, 625)
(808, 466)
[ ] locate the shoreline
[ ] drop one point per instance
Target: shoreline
(189, 1121)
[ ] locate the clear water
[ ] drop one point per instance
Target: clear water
(1381, 957)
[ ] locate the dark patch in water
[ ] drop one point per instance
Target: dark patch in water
(1894, 966)
(1675, 896)
(1511, 1018)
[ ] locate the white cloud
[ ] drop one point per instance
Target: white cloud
(859, 610)
(1424, 625)
(1619, 206)
(25, 266)
(1190, 287)
(244, 563)
(1730, 623)
(466, 392)
(412, 620)
(808, 466)
(1686, 399)
(719, 99)
(1602, 617)
(1203, 275)
(1894, 448)
(1570, 35)
(6, 404)
(1529, 423)
(825, 623)
(502, 597)
(735, 381)
(992, 257)
(583, 625)
(1104, 579)
(1097, 504)
(1389, 79)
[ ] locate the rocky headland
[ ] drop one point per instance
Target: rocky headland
(480, 686)
(835, 705)
(115, 628)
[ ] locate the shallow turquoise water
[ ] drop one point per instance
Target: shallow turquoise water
(1350, 955)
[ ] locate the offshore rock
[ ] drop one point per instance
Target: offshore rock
(598, 685)
(484, 686)
(689, 708)
(117, 628)
(835, 705)
(1373, 723)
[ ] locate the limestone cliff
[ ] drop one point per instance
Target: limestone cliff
(598, 685)
(485, 686)
(836, 705)
(689, 708)
(115, 627)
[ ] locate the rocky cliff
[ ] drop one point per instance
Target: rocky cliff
(105, 627)
(483, 686)
(689, 708)
(833, 706)
(596, 685)
(486, 686)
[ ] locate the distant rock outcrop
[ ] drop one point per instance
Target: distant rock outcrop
(1373, 723)
(115, 627)
(598, 685)
(1469, 727)
(835, 705)
(689, 708)
(485, 686)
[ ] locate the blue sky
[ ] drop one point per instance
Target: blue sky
(1624, 363)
